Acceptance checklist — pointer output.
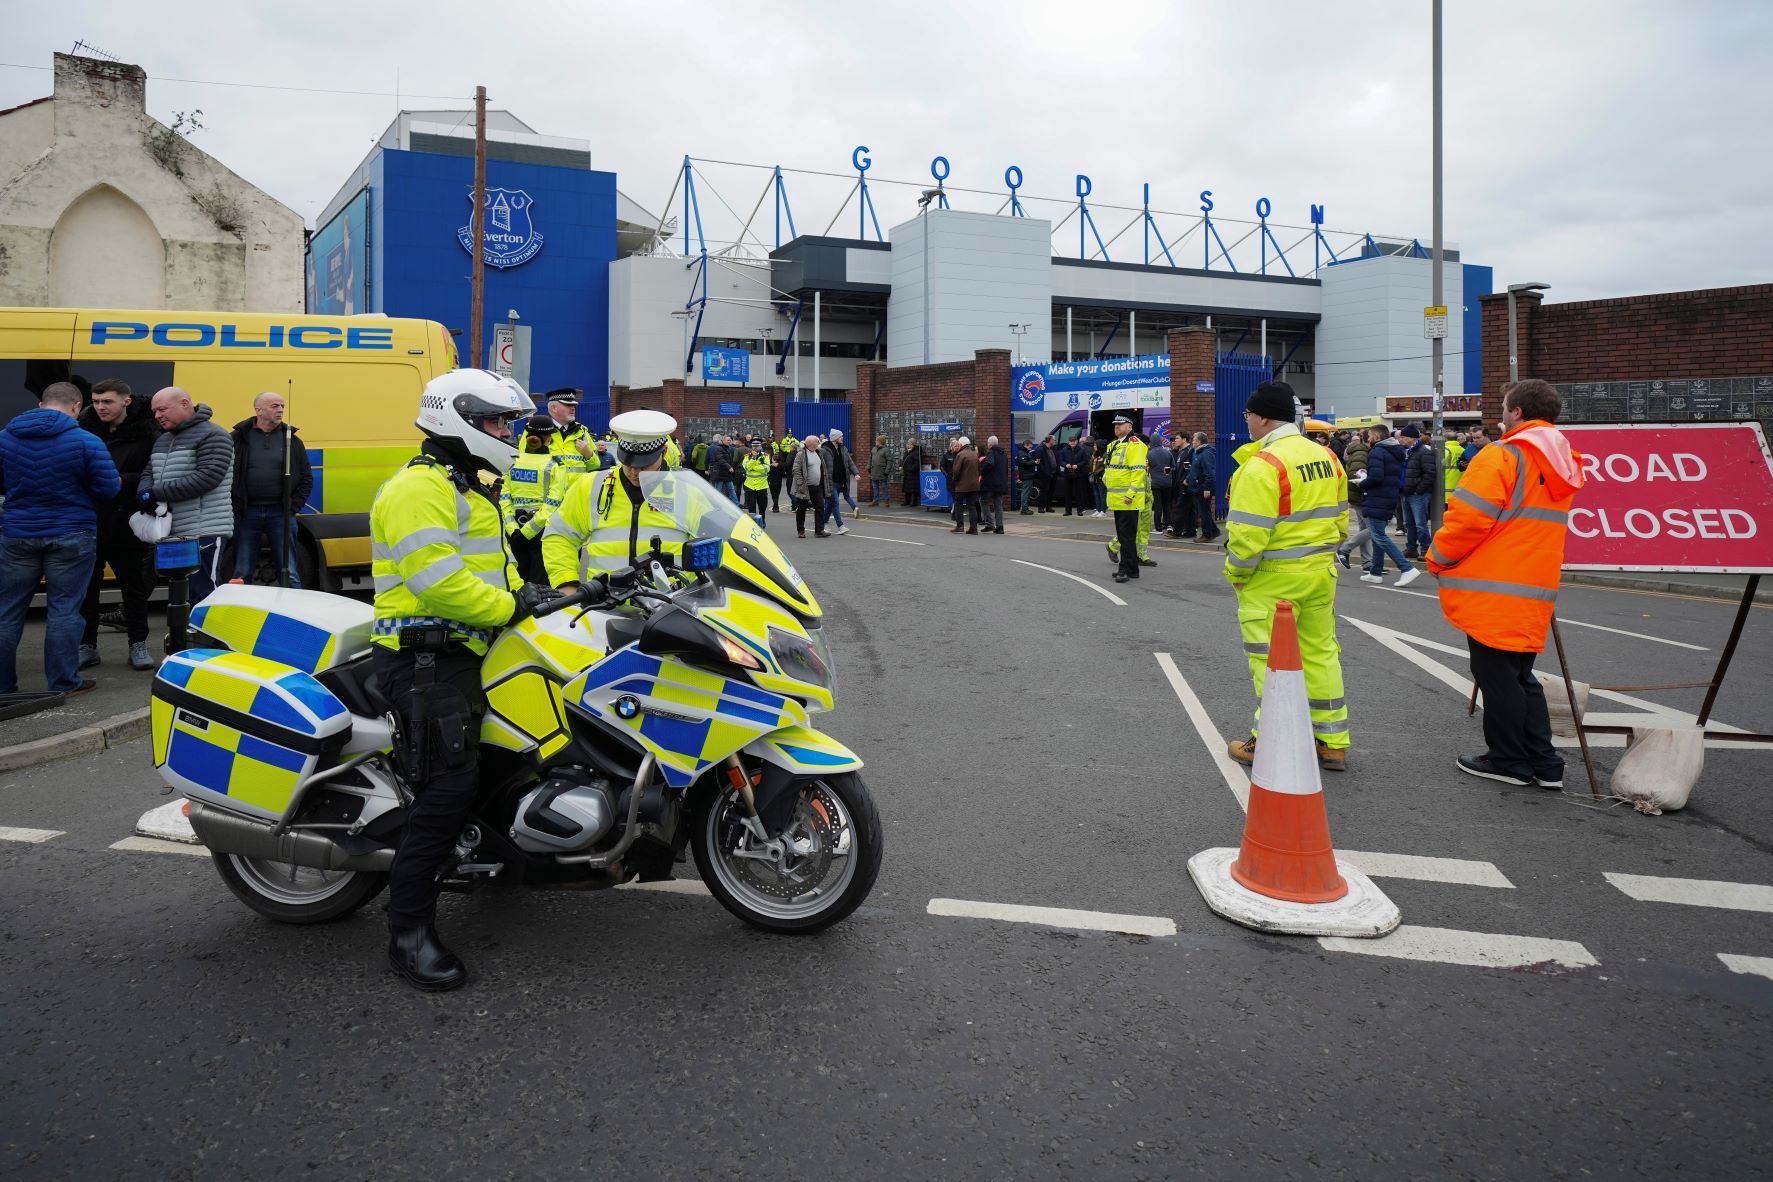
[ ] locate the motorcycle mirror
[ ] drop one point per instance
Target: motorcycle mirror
(700, 554)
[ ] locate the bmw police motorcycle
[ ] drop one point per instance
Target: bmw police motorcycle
(663, 708)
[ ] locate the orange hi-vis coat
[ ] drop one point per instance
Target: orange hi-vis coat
(1500, 551)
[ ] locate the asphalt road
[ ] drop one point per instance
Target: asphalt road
(1026, 747)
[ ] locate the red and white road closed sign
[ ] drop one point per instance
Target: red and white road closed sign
(1692, 497)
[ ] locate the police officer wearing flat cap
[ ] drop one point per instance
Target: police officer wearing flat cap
(606, 523)
(1127, 481)
(571, 444)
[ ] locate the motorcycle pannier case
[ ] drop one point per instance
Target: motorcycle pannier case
(241, 732)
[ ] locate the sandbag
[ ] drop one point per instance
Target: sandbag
(1557, 702)
(1660, 766)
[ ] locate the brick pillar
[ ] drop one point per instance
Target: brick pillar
(1193, 359)
(1496, 343)
(618, 395)
(991, 395)
(864, 401)
(778, 396)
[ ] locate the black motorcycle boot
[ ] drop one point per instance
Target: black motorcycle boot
(419, 956)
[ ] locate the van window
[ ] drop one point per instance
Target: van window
(22, 382)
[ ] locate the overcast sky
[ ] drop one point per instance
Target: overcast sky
(1607, 148)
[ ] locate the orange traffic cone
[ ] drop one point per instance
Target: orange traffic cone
(1285, 877)
(1286, 851)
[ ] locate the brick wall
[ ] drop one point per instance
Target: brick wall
(1720, 332)
(684, 403)
(1193, 359)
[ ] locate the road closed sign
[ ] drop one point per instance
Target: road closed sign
(1694, 497)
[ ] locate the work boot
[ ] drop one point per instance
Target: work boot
(1244, 751)
(1120, 576)
(955, 530)
(138, 656)
(419, 956)
(1332, 759)
(89, 656)
(1147, 562)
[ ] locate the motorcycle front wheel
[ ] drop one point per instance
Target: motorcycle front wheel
(814, 874)
(297, 894)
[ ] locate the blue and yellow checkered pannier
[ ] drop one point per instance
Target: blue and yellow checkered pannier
(242, 732)
(308, 630)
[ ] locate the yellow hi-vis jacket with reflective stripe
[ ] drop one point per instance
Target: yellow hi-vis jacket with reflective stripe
(1125, 475)
(1287, 506)
(564, 446)
(601, 527)
(438, 553)
(537, 482)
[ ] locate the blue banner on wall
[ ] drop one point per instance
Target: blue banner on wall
(725, 365)
(732, 410)
(1108, 383)
(338, 262)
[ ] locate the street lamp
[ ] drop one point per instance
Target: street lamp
(1514, 369)
(1019, 331)
(684, 314)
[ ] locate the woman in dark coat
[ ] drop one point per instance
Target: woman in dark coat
(910, 473)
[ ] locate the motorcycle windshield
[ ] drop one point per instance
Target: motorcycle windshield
(699, 511)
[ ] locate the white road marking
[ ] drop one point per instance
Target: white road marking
(1424, 869)
(876, 538)
(1489, 950)
(1401, 591)
(1695, 892)
(1056, 917)
(1698, 648)
(29, 836)
(149, 845)
(671, 886)
(1760, 966)
(1229, 769)
(1104, 592)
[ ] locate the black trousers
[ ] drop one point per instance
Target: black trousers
(1517, 727)
(756, 501)
(130, 560)
(447, 784)
(776, 489)
(1182, 512)
(1126, 533)
(1080, 496)
(800, 508)
(527, 554)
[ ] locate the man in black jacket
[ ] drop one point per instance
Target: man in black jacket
(994, 485)
(123, 423)
(272, 480)
(1046, 473)
(1074, 470)
(1419, 480)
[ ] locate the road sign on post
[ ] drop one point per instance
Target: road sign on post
(504, 350)
(1434, 322)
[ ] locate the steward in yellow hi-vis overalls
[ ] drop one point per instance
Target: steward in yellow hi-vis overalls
(1287, 514)
(444, 586)
(1128, 484)
(606, 522)
(533, 489)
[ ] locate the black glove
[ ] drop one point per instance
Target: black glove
(529, 597)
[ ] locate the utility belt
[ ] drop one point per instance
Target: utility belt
(430, 633)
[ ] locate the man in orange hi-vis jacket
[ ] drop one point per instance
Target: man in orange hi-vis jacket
(1499, 555)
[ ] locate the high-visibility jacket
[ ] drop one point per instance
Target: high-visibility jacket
(1450, 465)
(1125, 475)
(438, 553)
(1286, 507)
(1501, 548)
(604, 527)
(673, 453)
(757, 471)
(785, 449)
(564, 446)
(536, 483)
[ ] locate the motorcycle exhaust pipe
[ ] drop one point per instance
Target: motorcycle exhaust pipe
(230, 833)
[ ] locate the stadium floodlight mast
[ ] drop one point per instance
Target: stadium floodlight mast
(1514, 361)
(1019, 331)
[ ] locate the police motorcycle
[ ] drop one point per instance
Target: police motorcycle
(662, 707)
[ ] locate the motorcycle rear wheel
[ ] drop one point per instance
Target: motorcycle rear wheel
(297, 894)
(837, 835)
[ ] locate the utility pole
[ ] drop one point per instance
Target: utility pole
(477, 236)
(1437, 506)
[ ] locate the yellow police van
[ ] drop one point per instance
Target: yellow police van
(352, 385)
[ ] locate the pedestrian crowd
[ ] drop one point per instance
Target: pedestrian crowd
(77, 466)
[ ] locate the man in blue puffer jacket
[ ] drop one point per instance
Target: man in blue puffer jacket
(1379, 499)
(54, 476)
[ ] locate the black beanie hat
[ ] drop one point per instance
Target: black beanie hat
(1272, 400)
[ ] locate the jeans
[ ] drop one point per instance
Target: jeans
(1100, 492)
(834, 511)
(1360, 540)
(728, 489)
(132, 563)
(1383, 545)
(264, 521)
(1203, 510)
(880, 493)
(1416, 522)
(64, 564)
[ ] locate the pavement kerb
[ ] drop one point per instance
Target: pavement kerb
(86, 740)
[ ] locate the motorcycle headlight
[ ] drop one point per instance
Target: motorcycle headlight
(801, 659)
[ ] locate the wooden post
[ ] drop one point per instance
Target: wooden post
(1594, 788)
(477, 237)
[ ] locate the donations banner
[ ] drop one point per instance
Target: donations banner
(1689, 497)
(1108, 383)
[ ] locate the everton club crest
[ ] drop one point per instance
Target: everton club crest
(511, 236)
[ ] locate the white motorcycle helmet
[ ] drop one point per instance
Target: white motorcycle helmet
(459, 406)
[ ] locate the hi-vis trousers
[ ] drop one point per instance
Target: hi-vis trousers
(1313, 594)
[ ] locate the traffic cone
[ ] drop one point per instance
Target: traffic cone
(1285, 876)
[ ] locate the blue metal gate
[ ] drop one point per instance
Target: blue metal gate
(818, 418)
(1235, 377)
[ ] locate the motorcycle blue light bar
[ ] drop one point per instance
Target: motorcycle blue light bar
(175, 554)
(703, 553)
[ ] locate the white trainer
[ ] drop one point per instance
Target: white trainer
(843, 529)
(1372, 578)
(1408, 577)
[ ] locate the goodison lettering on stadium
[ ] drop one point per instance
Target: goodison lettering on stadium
(192, 335)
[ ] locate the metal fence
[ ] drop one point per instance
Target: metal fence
(1235, 376)
(818, 418)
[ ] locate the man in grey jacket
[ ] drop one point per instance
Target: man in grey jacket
(809, 484)
(192, 470)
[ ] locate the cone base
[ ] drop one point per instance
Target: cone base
(1363, 912)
